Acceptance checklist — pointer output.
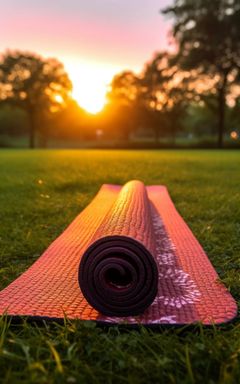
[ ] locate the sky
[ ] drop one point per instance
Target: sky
(94, 39)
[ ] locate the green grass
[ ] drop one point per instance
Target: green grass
(42, 191)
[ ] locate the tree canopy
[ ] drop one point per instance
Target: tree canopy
(39, 86)
(207, 34)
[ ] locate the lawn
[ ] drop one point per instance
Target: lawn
(42, 191)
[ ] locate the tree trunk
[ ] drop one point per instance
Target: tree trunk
(221, 111)
(31, 129)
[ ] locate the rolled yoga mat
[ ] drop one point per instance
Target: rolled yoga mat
(133, 219)
(118, 274)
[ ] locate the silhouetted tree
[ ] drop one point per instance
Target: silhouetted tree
(208, 37)
(163, 95)
(39, 86)
(123, 101)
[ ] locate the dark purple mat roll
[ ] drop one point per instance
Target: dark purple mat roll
(118, 274)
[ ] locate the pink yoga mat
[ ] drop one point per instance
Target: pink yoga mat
(181, 286)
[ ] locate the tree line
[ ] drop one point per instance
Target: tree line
(201, 77)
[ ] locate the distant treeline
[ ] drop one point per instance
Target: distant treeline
(191, 93)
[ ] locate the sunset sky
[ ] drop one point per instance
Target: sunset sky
(93, 38)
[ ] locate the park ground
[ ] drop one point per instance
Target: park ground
(42, 191)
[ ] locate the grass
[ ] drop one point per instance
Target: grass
(42, 191)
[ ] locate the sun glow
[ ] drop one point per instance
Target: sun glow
(90, 81)
(90, 96)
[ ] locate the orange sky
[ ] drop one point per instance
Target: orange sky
(94, 39)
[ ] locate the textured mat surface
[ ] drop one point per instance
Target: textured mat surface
(188, 286)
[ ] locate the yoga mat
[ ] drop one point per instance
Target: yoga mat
(188, 287)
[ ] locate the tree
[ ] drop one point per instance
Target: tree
(39, 86)
(123, 98)
(164, 95)
(208, 38)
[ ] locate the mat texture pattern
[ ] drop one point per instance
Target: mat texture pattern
(188, 286)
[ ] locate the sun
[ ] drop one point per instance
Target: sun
(90, 96)
(90, 82)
